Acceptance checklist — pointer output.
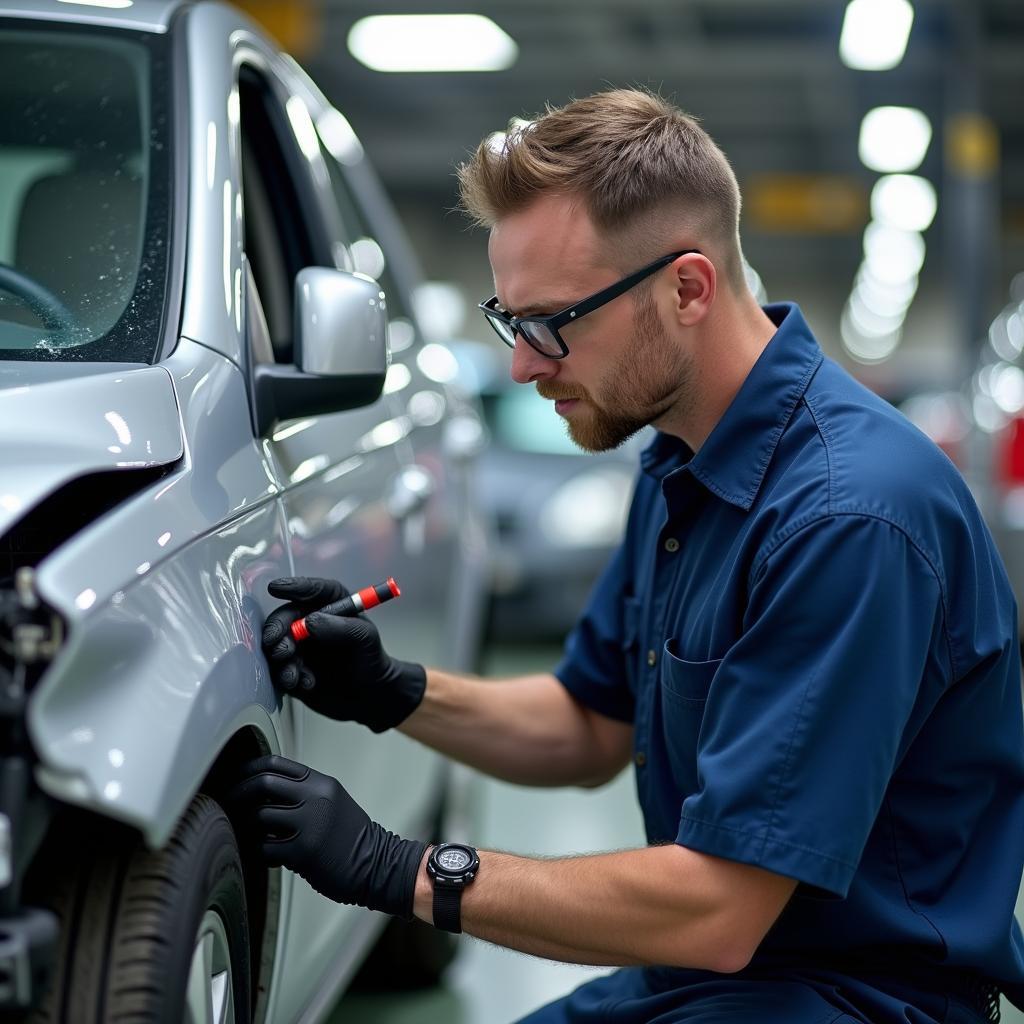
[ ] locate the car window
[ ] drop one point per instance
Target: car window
(277, 242)
(84, 194)
(363, 253)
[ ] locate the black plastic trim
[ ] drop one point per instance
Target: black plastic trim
(174, 300)
(285, 392)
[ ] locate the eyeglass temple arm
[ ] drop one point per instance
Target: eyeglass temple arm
(613, 292)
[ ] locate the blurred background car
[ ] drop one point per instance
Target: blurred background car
(557, 512)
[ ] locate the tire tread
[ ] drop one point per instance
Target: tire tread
(114, 899)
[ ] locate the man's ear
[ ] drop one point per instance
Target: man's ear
(696, 284)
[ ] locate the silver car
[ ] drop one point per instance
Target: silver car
(198, 279)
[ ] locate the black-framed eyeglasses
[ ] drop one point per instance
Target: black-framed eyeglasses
(542, 332)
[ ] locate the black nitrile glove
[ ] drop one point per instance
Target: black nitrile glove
(307, 822)
(341, 670)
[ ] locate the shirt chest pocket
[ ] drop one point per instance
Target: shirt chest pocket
(682, 701)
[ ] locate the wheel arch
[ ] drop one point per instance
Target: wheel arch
(262, 885)
(118, 839)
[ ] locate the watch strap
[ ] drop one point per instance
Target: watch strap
(447, 907)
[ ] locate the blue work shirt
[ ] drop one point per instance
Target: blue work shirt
(809, 626)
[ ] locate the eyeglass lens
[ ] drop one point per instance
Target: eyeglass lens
(535, 334)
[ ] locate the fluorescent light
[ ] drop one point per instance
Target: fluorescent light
(867, 350)
(1008, 389)
(1006, 335)
(894, 139)
(869, 322)
(875, 32)
(431, 42)
(892, 255)
(115, 4)
(882, 297)
(903, 201)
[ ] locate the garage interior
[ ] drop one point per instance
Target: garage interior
(886, 199)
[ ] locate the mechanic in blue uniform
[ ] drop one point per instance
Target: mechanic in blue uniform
(806, 642)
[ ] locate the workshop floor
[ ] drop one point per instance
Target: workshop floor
(487, 985)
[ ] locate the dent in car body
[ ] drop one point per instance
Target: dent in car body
(55, 426)
(164, 662)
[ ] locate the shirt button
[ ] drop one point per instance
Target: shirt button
(641, 759)
(651, 658)
(671, 545)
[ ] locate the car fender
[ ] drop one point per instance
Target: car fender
(163, 600)
(150, 688)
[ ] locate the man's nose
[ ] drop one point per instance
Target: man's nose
(528, 365)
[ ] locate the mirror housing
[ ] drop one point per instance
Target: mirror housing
(341, 350)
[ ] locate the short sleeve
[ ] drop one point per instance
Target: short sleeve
(806, 713)
(593, 668)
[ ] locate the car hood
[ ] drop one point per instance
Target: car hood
(60, 421)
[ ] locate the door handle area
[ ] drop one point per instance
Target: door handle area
(410, 492)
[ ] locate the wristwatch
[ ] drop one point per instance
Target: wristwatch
(451, 867)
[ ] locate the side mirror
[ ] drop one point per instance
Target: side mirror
(341, 350)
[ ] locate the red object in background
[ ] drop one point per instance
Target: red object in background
(1010, 455)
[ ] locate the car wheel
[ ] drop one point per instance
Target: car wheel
(154, 937)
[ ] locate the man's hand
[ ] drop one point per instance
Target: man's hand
(341, 670)
(307, 822)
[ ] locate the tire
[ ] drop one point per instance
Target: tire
(136, 924)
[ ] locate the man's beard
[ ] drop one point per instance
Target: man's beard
(651, 377)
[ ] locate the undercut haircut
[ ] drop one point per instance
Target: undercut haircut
(650, 178)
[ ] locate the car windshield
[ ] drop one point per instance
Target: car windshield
(84, 193)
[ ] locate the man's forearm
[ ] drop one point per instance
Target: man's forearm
(528, 730)
(662, 905)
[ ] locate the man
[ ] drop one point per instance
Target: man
(806, 643)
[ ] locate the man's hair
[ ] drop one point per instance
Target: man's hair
(646, 172)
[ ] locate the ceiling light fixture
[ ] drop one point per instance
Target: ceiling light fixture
(903, 201)
(894, 139)
(431, 42)
(117, 5)
(892, 255)
(875, 33)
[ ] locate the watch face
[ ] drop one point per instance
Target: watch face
(454, 859)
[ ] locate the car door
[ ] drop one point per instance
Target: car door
(442, 531)
(336, 474)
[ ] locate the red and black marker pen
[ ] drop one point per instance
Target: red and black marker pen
(361, 601)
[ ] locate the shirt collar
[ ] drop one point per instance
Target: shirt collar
(733, 460)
